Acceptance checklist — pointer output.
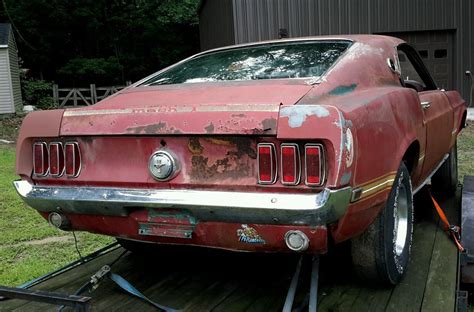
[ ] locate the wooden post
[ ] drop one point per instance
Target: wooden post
(93, 93)
(75, 97)
(56, 94)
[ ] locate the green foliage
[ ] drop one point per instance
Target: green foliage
(99, 70)
(37, 93)
(98, 41)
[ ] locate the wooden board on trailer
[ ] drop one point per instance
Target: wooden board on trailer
(213, 280)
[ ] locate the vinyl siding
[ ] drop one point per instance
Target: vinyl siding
(15, 74)
(6, 103)
(256, 20)
(216, 24)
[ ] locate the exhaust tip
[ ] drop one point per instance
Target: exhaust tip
(296, 240)
(59, 221)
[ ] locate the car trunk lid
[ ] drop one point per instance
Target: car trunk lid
(229, 108)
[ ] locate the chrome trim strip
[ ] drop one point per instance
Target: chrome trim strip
(273, 162)
(322, 164)
(431, 174)
(297, 161)
(320, 208)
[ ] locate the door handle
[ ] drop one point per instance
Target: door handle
(426, 104)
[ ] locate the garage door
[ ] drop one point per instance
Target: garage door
(436, 48)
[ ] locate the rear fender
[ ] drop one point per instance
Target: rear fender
(326, 124)
(43, 124)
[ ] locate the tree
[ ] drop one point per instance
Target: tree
(102, 41)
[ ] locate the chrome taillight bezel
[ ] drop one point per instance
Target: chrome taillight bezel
(44, 147)
(322, 168)
(76, 145)
(60, 148)
(273, 163)
(297, 162)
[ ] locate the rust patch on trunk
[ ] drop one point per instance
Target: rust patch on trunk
(235, 162)
(195, 146)
(228, 167)
(269, 123)
(148, 129)
(209, 128)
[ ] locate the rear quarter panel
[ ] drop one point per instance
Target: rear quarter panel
(384, 122)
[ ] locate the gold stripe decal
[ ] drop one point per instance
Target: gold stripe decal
(373, 187)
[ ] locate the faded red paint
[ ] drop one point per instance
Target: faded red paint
(359, 111)
(211, 234)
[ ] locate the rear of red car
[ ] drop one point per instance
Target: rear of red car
(234, 165)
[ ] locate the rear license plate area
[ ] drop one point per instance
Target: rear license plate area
(166, 230)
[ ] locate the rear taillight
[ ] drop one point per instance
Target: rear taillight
(290, 164)
(72, 159)
(56, 159)
(266, 158)
(40, 159)
(314, 164)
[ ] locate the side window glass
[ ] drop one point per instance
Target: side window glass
(409, 75)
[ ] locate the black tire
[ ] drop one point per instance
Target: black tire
(376, 255)
(445, 180)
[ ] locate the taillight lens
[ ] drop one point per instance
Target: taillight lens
(290, 164)
(72, 159)
(40, 159)
(314, 165)
(266, 163)
(56, 159)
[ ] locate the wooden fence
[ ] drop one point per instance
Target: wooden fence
(73, 97)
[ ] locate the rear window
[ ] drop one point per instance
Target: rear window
(267, 61)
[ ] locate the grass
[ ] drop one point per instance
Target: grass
(466, 152)
(29, 246)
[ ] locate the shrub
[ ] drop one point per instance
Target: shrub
(37, 93)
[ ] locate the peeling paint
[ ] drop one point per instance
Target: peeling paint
(148, 129)
(269, 123)
(349, 144)
(359, 49)
(342, 90)
(297, 114)
(346, 178)
(209, 128)
(194, 146)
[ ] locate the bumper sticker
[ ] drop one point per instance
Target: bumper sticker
(249, 235)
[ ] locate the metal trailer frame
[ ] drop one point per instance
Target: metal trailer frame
(79, 303)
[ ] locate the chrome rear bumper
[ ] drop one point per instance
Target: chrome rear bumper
(320, 208)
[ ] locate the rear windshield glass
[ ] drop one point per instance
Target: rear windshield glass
(267, 61)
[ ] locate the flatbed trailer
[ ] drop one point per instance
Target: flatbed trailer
(200, 279)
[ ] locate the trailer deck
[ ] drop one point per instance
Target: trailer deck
(214, 280)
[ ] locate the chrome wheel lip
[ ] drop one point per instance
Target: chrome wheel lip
(401, 220)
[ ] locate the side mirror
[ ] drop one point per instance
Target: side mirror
(469, 75)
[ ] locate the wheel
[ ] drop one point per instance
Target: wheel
(445, 180)
(382, 252)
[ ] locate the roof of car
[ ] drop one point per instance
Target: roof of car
(367, 39)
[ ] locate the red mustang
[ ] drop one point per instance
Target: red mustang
(274, 147)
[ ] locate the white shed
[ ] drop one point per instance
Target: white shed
(10, 89)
